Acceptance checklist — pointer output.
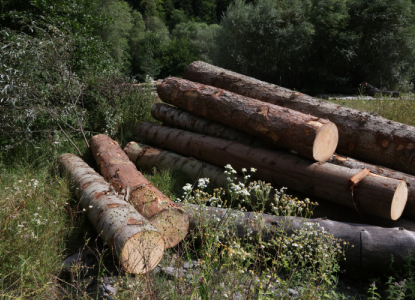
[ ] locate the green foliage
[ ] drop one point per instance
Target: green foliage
(262, 39)
(309, 43)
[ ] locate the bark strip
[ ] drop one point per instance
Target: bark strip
(307, 135)
(137, 244)
(377, 195)
(351, 163)
(362, 135)
(167, 216)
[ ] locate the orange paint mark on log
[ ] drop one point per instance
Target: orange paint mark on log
(410, 146)
(385, 143)
(400, 147)
(192, 94)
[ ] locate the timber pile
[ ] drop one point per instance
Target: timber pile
(220, 117)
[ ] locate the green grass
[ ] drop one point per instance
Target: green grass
(41, 224)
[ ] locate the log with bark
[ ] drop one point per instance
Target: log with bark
(146, 158)
(309, 136)
(176, 117)
(377, 195)
(135, 242)
(351, 163)
(364, 136)
(373, 246)
(168, 217)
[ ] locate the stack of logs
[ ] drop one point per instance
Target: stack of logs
(220, 117)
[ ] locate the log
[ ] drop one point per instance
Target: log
(146, 158)
(373, 245)
(134, 241)
(377, 195)
(168, 217)
(351, 163)
(309, 136)
(363, 136)
(176, 117)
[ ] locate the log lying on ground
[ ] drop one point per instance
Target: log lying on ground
(309, 136)
(377, 195)
(181, 119)
(146, 158)
(351, 163)
(373, 246)
(137, 244)
(168, 217)
(364, 136)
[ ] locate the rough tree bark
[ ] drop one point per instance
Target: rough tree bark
(373, 246)
(362, 135)
(309, 136)
(146, 158)
(167, 216)
(137, 244)
(377, 195)
(351, 163)
(176, 117)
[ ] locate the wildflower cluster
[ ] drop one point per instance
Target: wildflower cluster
(285, 205)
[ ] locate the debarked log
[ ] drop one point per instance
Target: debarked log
(351, 163)
(374, 194)
(168, 217)
(362, 135)
(137, 244)
(373, 246)
(307, 135)
(176, 117)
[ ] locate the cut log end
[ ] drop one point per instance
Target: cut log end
(399, 200)
(142, 252)
(173, 224)
(325, 143)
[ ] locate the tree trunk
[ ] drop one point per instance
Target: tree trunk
(361, 135)
(137, 244)
(351, 163)
(167, 216)
(377, 195)
(146, 158)
(176, 117)
(309, 136)
(373, 246)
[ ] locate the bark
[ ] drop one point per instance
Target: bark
(176, 117)
(351, 163)
(137, 244)
(373, 246)
(309, 136)
(377, 195)
(146, 158)
(168, 217)
(361, 135)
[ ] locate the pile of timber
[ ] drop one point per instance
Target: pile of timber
(218, 117)
(215, 117)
